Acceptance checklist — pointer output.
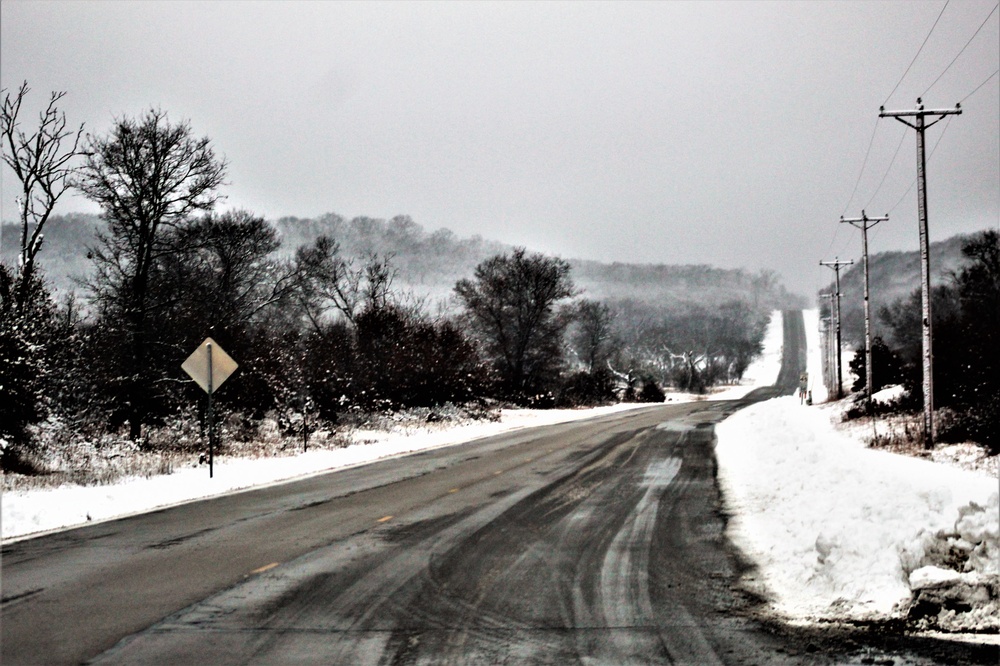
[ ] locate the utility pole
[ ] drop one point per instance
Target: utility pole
(865, 223)
(835, 265)
(826, 326)
(920, 124)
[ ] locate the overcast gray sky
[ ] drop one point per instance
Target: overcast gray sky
(706, 132)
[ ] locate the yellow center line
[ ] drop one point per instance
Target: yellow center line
(384, 519)
(264, 568)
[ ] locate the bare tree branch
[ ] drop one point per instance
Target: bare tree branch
(43, 164)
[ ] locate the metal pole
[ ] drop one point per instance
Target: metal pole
(211, 429)
(920, 125)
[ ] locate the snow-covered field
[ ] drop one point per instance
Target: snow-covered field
(837, 530)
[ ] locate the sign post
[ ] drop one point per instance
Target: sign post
(209, 366)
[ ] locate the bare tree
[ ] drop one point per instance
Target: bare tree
(225, 269)
(43, 164)
(593, 334)
(511, 304)
(148, 175)
(329, 281)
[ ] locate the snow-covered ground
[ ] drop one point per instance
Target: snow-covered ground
(836, 530)
(36, 511)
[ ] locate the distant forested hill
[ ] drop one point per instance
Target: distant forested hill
(429, 263)
(688, 284)
(893, 275)
(63, 257)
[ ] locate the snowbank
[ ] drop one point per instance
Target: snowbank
(837, 529)
(889, 394)
(841, 531)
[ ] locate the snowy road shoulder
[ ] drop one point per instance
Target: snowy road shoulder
(32, 512)
(38, 511)
(837, 529)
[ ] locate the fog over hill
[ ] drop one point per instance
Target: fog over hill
(892, 275)
(430, 262)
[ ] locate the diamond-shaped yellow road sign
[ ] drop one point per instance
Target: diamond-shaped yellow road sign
(209, 355)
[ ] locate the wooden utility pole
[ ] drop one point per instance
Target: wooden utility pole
(920, 124)
(865, 223)
(835, 265)
(825, 329)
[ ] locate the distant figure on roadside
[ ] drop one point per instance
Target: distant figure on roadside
(803, 387)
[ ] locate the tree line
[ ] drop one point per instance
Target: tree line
(315, 330)
(966, 361)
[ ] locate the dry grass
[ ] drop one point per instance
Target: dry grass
(101, 471)
(106, 459)
(75, 454)
(903, 434)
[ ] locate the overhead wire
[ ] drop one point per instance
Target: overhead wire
(974, 91)
(886, 174)
(929, 33)
(862, 173)
(871, 141)
(931, 155)
(995, 72)
(938, 78)
(993, 11)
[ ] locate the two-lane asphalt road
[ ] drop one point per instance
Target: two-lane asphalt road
(597, 542)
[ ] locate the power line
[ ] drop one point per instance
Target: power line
(962, 51)
(875, 130)
(902, 137)
(931, 155)
(918, 53)
(981, 85)
(863, 164)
